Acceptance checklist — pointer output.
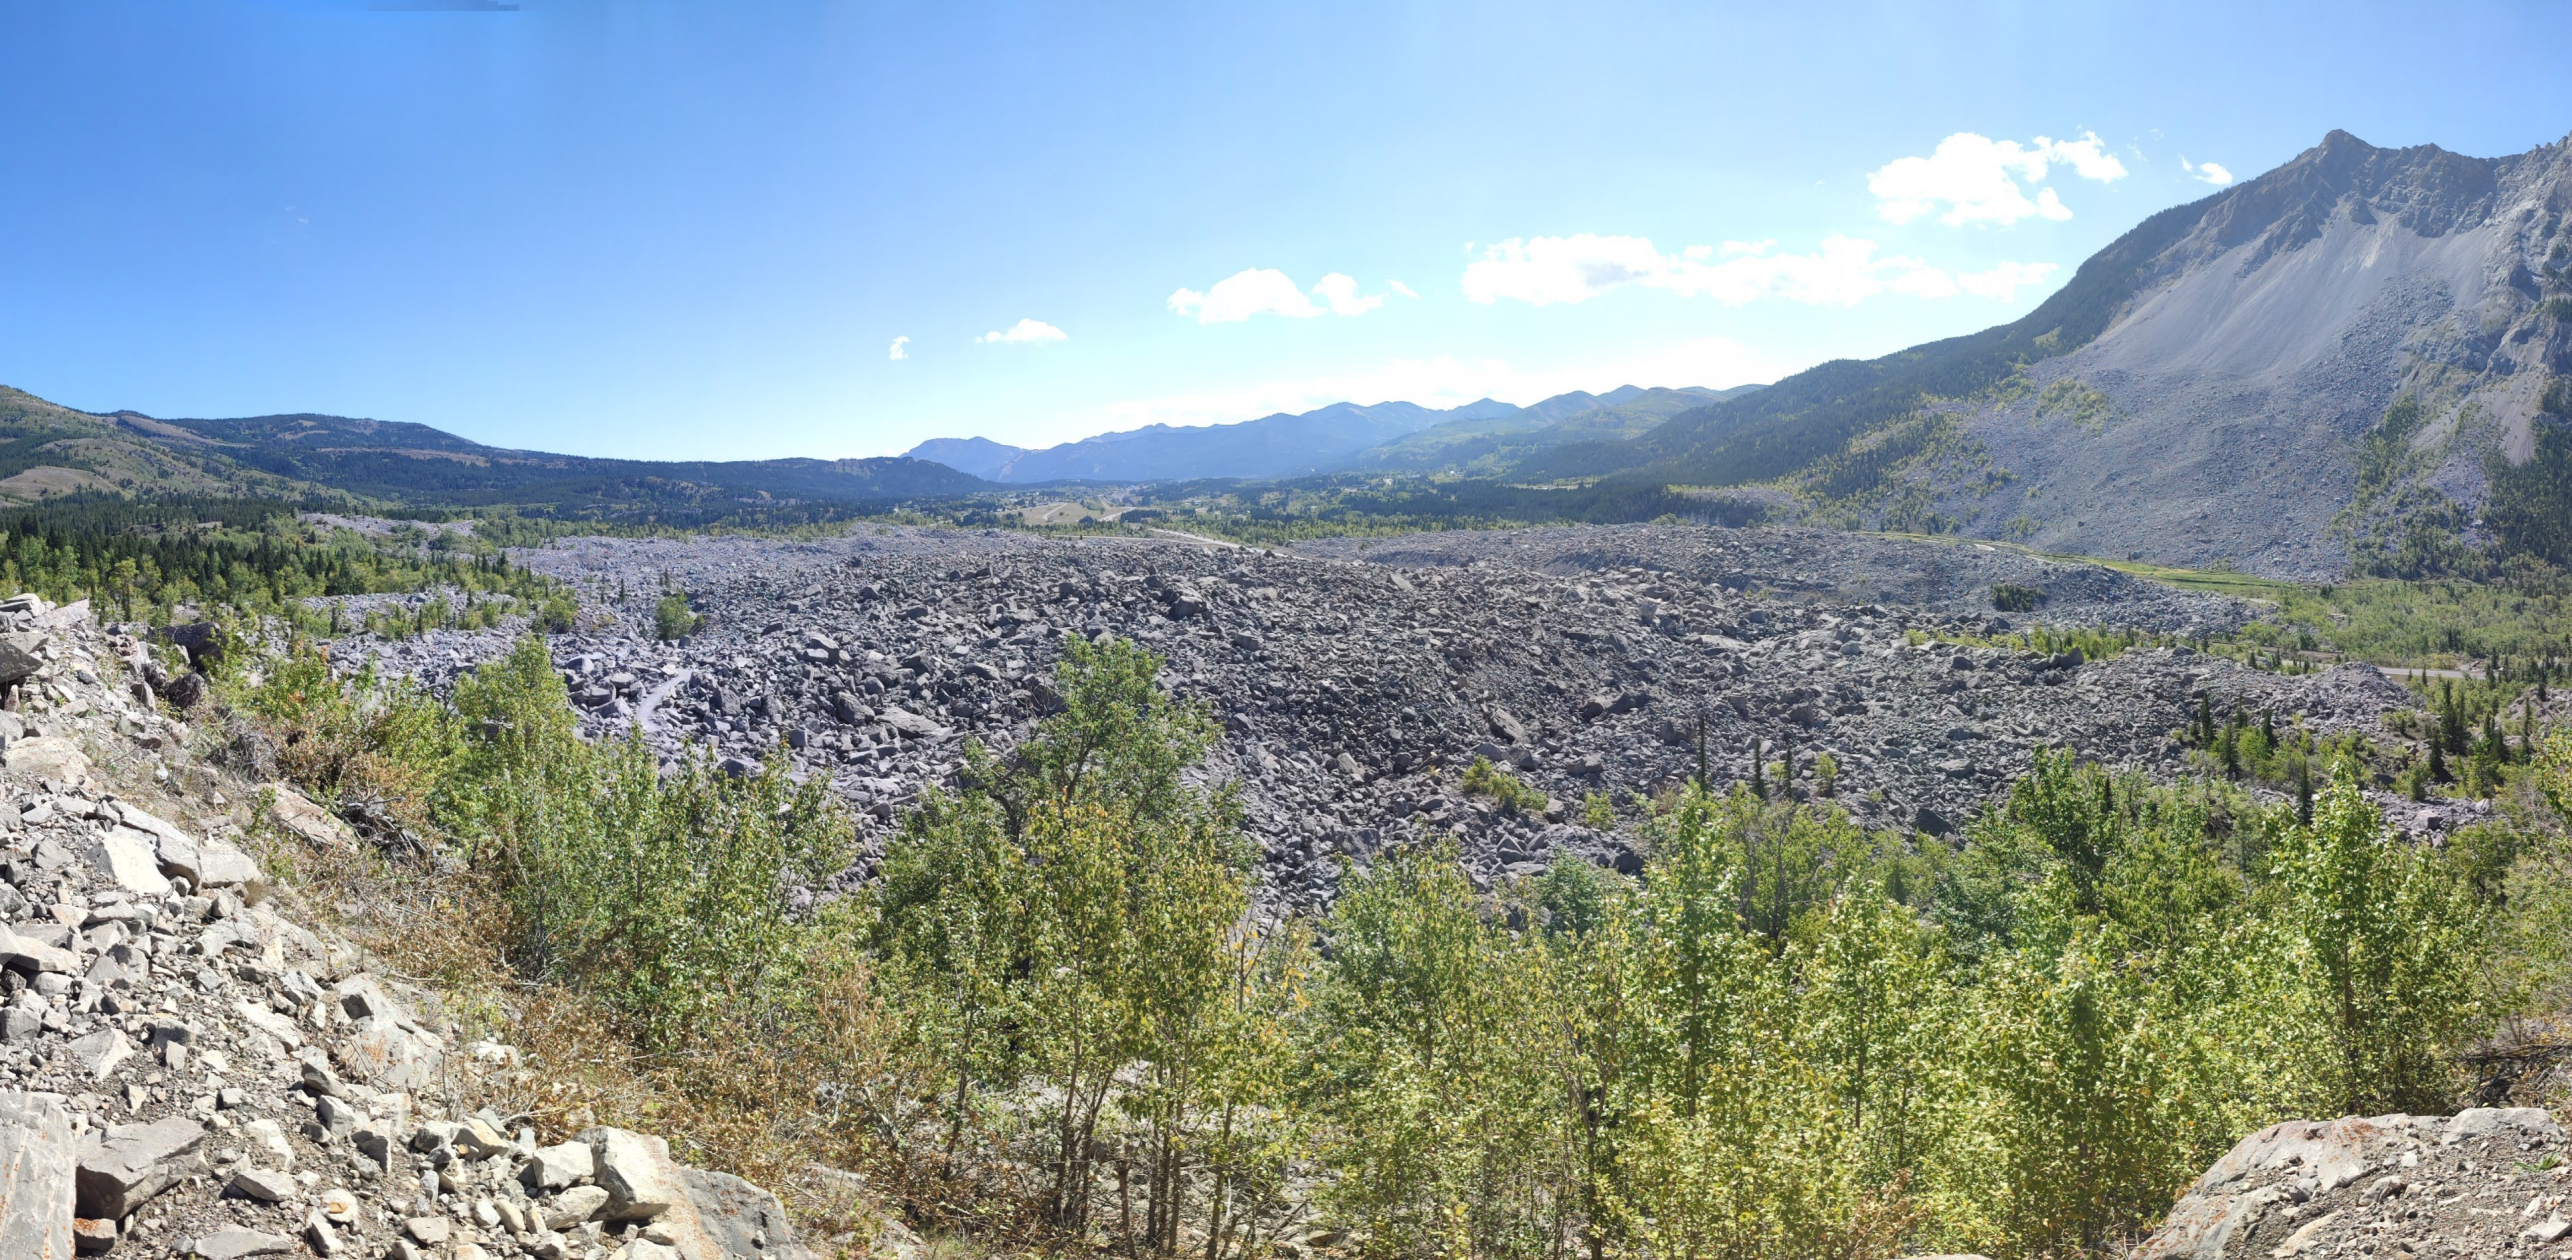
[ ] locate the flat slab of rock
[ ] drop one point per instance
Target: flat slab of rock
(297, 813)
(732, 1213)
(124, 1167)
(29, 954)
(36, 1160)
(101, 1052)
(235, 1244)
(130, 857)
(46, 757)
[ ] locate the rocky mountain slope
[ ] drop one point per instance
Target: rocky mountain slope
(190, 1068)
(2205, 388)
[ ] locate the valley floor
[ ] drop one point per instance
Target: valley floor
(1356, 677)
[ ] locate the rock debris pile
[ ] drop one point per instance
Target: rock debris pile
(184, 1070)
(2482, 1183)
(1354, 678)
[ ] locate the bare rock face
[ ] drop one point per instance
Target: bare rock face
(2484, 1182)
(2215, 415)
(36, 1161)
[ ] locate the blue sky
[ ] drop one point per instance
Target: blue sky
(698, 230)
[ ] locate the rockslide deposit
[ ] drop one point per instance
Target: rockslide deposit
(1355, 677)
(184, 1070)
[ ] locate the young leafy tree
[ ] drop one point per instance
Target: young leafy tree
(1073, 912)
(2387, 948)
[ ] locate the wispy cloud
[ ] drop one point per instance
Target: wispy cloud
(1023, 332)
(1268, 291)
(1843, 271)
(898, 352)
(1977, 179)
(2206, 172)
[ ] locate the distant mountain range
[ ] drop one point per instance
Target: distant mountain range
(1393, 436)
(2361, 360)
(48, 450)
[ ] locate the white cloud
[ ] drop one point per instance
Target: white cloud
(2206, 172)
(898, 353)
(1023, 332)
(1268, 291)
(2002, 282)
(1843, 271)
(1341, 292)
(1982, 180)
(1401, 288)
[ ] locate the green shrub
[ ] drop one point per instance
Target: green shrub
(1513, 794)
(672, 619)
(1598, 811)
(2009, 597)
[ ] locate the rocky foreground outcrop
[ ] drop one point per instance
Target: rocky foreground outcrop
(185, 1070)
(2485, 1182)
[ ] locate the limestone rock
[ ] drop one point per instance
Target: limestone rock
(560, 1167)
(31, 955)
(571, 1207)
(100, 1053)
(298, 814)
(732, 1213)
(132, 858)
(46, 757)
(36, 1161)
(21, 654)
(641, 1180)
(237, 1244)
(124, 1167)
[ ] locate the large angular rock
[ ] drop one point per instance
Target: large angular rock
(738, 1218)
(298, 814)
(36, 1160)
(21, 654)
(571, 1207)
(910, 725)
(124, 1167)
(46, 757)
(205, 863)
(385, 1046)
(130, 857)
(31, 955)
(560, 1167)
(641, 1180)
(100, 1053)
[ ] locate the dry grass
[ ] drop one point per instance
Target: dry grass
(737, 1096)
